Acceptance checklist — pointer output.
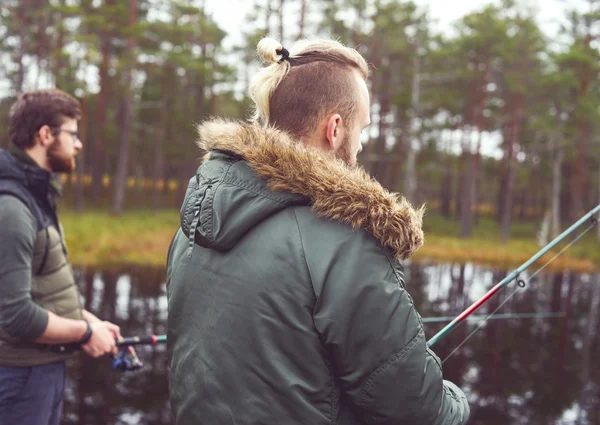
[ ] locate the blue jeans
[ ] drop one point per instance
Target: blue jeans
(32, 395)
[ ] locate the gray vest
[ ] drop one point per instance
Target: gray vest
(54, 289)
(53, 284)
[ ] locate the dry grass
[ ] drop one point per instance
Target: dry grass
(138, 237)
(142, 237)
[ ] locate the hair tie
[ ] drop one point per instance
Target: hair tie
(284, 54)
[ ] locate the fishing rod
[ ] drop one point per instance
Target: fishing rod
(159, 339)
(496, 317)
(122, 343)
(126, 358)
(513, 276)
(142, 340)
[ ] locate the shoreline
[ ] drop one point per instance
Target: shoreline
(141, 238)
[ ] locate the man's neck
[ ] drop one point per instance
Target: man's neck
(315, 142)
(38, 154)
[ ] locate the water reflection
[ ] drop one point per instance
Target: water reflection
(515, 371)
(96, 394)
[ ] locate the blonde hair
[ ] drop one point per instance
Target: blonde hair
(311, 67)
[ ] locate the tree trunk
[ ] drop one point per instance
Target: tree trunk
(98, 157)
(281, 2)
(542, 236)
(510, 174)
(446, 192)
(566, 195)
(507, 207)
(268, 11)
(125, 137)
(200, 87)
(503, 173)
(459, 199)
(468, 187)
(377, 151)
(580, 162)
(598, 215)
(80, 170)
(59, 67)
(479, 95)
(523, 203)
(23, 25)
(38, 69)
(159, 162)
(410, 182)
(556, 186)
(394, 167)
(469, 198)
(303, 12)
(212, 103)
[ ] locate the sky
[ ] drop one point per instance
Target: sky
(230, 14)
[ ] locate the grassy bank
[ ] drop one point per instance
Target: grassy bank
(97, 239)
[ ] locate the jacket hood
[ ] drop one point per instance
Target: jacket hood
(9, 167)
(221, 205)
(31, 176)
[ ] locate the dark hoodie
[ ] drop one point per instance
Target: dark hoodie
(22, 186)
(35, 276)
(287, 302)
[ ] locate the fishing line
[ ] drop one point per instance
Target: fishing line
(521, 284)
(513, 275)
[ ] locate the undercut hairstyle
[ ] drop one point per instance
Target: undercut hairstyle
(36, 108)
(301, 87)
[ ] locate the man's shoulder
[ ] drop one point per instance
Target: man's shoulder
(327, 229)
(232, 170)
(15, 214)
(15, 189)
(12, 204)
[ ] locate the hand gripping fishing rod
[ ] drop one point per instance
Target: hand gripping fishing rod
(514, 275)
(142, 340)
(126, 359)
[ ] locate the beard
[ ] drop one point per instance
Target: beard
(59, 160)
(345, 153)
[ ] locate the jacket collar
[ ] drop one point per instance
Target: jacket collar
(40, 176)
(336, 191)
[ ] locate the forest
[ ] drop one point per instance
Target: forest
(492, 119)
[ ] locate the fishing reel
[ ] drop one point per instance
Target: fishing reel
(126, 360)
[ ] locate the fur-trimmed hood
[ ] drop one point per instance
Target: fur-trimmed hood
(334, 190)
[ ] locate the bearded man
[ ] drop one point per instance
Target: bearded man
(40, 305)
(286, 295)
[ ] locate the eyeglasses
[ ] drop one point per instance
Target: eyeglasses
(74, 134)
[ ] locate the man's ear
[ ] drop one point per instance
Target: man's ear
(45, 136)
(333, 131)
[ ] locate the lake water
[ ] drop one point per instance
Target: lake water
(515, 371)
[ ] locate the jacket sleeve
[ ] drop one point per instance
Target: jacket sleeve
(375, 338)
(20, 316)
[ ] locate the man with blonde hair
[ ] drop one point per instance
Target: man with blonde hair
(287, 302)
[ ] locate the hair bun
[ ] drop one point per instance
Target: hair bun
(267, 50)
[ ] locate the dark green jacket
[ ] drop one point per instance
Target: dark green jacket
(287, 302)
